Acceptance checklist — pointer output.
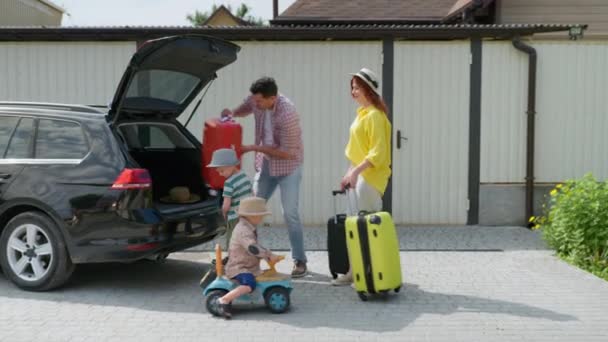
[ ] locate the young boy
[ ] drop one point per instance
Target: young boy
(236, 187)
(245, 253)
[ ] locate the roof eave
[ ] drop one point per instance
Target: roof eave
(285, 21)
(338, 32)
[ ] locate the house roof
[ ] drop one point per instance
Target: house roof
(285, 33)
(429, 11)
(52, 5)
(223, 11)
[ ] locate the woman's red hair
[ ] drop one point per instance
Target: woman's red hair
(371, 95)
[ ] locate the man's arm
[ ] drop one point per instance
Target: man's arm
(268, 150)
(244, 109)
(290, 138)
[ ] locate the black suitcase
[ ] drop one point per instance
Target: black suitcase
(336, 241)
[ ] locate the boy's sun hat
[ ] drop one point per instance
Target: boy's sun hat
(224, 157)
(253, 206)
(370, 78)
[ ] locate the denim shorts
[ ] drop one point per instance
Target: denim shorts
(246, 279)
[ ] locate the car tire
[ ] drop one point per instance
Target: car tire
(33, 254)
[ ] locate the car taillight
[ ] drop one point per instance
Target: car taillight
(133, 179)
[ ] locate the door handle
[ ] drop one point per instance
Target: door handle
(399, 138)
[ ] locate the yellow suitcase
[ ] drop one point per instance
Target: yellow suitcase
(373, 250)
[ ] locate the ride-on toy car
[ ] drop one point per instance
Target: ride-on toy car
(273, 288)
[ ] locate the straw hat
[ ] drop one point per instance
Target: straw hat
(370, 78)
(180, 194)
(253, 206)
(224, 157)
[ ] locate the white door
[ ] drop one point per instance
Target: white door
(431, 111)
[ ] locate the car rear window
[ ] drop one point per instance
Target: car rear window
(141, 136)
(165, 85)
(57, 139)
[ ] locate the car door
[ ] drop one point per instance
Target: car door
(16, 133)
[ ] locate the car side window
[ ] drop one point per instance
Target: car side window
(7, 126)
(57, 139)
(19, 145)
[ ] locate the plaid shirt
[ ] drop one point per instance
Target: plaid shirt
(287, 134)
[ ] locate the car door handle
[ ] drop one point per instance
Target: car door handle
(5, 175)
(399, 138)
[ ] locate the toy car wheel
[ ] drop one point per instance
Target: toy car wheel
(212, 298)
(362, 296)
(398, 289)
(277, 299)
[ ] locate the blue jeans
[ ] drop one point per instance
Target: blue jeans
(290, 197)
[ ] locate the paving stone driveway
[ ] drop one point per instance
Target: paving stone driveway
(461, 284)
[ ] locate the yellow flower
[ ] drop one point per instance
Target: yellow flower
(532, 218)
(553, 192)
(537, 226)
(558, 186)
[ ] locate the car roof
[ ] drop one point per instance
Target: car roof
(55, 110)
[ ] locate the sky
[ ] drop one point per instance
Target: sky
(151, 12)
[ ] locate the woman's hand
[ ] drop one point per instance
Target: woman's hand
(350, 179)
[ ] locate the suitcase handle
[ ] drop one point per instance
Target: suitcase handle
(334, 194)
(345, 192)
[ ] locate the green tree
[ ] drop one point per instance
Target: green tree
(198, 18)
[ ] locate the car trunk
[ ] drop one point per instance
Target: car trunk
(174, 168)
(171, 155)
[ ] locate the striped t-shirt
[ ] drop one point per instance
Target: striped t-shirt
(237, 187)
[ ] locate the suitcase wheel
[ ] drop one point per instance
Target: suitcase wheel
(334, 275)
(362, 296)
(398, 289)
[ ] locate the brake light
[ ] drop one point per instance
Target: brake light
(133, 179)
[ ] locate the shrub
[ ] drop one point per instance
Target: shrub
(576, 224)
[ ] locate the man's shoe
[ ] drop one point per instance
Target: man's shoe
(343, 280)
(299, 269)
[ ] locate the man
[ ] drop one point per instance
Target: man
(279, 155)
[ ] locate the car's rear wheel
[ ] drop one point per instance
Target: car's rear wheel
(33, 254)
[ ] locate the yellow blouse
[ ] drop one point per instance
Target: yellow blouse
(370, 139)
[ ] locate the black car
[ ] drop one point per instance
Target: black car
(79, 184)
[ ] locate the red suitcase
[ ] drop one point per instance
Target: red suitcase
(219, 133)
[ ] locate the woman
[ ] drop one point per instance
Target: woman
(368, 150)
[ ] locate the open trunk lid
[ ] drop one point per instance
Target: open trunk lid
(165, 75)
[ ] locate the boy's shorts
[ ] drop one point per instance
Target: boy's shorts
(246, 279)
